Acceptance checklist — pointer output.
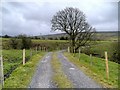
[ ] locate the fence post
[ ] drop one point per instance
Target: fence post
(41, 48)
(30, 52)
(44, 48)
(91, 59)
(68, 49)
(23, 56)
(2, 73)
(107, 68)
(74, 51)
(36, 49)
(79, 53)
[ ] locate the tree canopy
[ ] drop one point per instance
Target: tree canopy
(73, 22)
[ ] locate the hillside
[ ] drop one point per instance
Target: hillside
(101, 35)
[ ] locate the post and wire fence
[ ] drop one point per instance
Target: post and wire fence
(91, 60)
(15, 59)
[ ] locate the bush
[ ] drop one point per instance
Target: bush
(13, 43)
(26, 42)
(115, 55)
(21, 42)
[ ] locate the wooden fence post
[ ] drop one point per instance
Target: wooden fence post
(36, 49)
(23, 56)
(30, 52)
(68, 49)
(44, 48)
(2, 73)
(107, 68)
(74, 51)
(41, 48)
(91, 59)
(79, 53)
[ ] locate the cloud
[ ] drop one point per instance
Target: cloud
(34, 17)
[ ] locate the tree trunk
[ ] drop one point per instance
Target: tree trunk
(73, 45)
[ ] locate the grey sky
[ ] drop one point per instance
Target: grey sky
(33, 17)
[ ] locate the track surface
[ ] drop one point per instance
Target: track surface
(76, 76)
(43, 75)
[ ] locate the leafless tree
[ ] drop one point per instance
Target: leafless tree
(73, 22)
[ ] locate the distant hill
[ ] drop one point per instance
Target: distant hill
(99, 35)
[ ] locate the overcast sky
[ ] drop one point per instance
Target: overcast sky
(32, 17)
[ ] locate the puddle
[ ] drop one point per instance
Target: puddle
(72, 68)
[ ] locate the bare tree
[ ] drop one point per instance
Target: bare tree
(73, 22)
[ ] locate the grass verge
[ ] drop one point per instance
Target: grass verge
(97, 70)
(21, 77)
(59, 77)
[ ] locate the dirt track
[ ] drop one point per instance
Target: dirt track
(44, 73)
(77, 77)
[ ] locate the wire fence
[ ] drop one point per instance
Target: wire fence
(11, 59)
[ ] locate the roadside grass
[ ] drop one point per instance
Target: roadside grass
(96, 70)
(22, 75)
(59, 78)
(13, 58)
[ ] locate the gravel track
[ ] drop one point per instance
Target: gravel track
(43, 74)
(76, 76)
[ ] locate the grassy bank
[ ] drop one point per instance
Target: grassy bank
(21, 77)
(96, 69)
(13, 58)
(100, 47)
(59, 78)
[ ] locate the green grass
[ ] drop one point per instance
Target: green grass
(101, 46)
(49, 44)
(59, 78)
(21, 77)
(37, 40)
(12, 58)
(97, 70)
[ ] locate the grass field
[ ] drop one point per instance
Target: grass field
(36, 40)
(49, 44)
(97, 70)
(21, 77)
(12, 59)
(100, 47)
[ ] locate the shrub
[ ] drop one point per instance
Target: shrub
(13, 43)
